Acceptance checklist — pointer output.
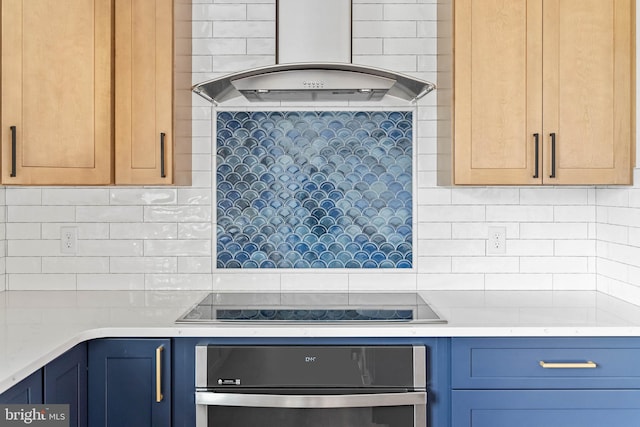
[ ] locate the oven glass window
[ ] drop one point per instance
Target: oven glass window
(388, 416)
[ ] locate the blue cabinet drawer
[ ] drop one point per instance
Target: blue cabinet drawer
(545, 408)
(545, 363)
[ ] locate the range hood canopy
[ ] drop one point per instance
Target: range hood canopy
(314, 42)
(307, 82)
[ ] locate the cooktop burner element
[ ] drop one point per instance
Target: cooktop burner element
(311, 307)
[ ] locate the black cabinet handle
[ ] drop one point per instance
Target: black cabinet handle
(13, 151)
(163, 173)
(553, 155)
(536, 137)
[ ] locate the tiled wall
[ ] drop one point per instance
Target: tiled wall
(618, 247)
(161, 238)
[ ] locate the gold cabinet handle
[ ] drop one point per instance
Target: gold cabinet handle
(569, 365)
(159, 395)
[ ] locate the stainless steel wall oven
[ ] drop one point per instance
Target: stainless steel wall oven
(311, 386)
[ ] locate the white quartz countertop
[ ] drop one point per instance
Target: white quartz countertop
(38, 326)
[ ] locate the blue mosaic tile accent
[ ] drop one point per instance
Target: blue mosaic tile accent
(314, 189)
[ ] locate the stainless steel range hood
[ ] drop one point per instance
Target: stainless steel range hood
(314, 63)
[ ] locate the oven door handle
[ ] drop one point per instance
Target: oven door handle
(311, 401)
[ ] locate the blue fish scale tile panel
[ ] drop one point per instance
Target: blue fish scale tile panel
(314, 189)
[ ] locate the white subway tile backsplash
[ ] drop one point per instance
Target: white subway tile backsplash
(485, 264)
(451, 247)
(384, 29)
(451, 213)
(26, 265)
(229, 46)
(144, 230)
(86, 230)
(398, 282)
(485, 196)
(525, 282)
(574, 214)
(574, 282)
(75, 196)
(258, 46)
(434, 264)
(554, 196)
(109, 247)
(575, 248)
(434, 196)
(367, 47)
(143, 196)
(451, 282)
(612, 233)
(326, 282)
(146, 264)
(34, 282)
(177, 214)
(521, 247)
(408, 46)
(22, 248)
(227, 12)
(410, 12)
(532, 230)
(243, 29)
(182, 282)
(109, 214)
(402, 63)
(367, 12)
(480, 230)
(260, 12)
(177, 247)
(434, 230)
(629, 217)
(244, 281)
(23, 196)
(23, 230)
(75, 265)
(201, 29)
(519, 213)
(110, 282)
(197, 230)
(555, 264)
(194, 264)
(41, 213)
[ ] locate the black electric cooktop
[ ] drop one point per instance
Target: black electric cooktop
(311, 307)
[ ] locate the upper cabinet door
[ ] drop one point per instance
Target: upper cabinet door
(144, 88)
(588, 91)
(56, 125)
(153, 92)
(498, 91)
(543, 92)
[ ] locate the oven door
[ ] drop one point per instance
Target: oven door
(396, 409)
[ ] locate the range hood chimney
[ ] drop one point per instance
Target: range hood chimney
(313, 58)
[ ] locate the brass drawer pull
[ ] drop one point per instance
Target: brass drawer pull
(159, 395)
(570, 365)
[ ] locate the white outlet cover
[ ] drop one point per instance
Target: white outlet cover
(496, 240)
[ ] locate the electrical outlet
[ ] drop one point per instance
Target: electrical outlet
(496, 241)
(69, 240)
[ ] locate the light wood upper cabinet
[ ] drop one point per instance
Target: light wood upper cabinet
(153, 80)
(90, 98)
(543, 92)
(56, 92)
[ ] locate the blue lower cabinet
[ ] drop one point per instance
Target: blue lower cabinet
(545, 408)
(65, 382)
(27, 391)
(130, 383)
